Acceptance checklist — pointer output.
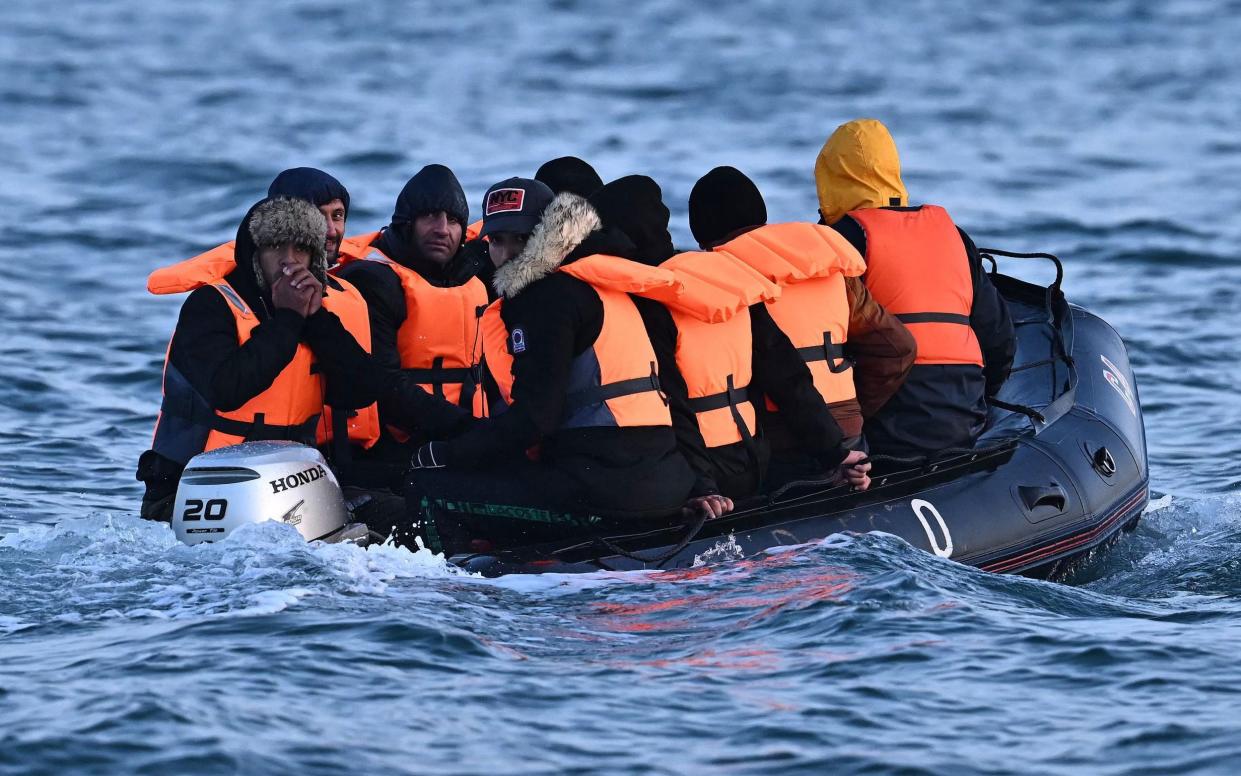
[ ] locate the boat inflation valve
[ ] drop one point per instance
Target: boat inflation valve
(1103, 462)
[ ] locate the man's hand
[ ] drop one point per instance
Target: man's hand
(854, 469)
(285, 297)
(307, 286)
(712, 506)
(427, 458)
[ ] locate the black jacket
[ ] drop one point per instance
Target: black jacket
(944, 406)
(205, 351)
(804, 423)
(404, 403)
(632, 469)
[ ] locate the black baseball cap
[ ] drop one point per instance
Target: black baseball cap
(515, 205)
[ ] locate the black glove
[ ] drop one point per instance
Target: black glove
(427, 458)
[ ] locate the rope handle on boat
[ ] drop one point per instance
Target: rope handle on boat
(693, 531)
(991, 253)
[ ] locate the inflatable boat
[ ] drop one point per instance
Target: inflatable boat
(1060, 470)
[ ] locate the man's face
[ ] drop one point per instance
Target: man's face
(334, 212)
(502, 246)
(274, 260)
(438, 235)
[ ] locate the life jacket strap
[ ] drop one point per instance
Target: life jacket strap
(961, 320)
(716, 401)
(831, 352)
(437, 376)
(585, 398)
(261, 431)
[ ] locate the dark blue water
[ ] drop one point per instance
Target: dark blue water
(136, 133)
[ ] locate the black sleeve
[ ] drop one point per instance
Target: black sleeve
(662, 331)
(779, 372)
(353, 379)
(991, 323)
(227, 374)
(559, 318)
(402, 401)
(385, 303)
(852, 231)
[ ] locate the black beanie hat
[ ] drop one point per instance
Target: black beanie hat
(722, 202)
(433, 188)
(310, 184)
(635, 206)
(568, 173)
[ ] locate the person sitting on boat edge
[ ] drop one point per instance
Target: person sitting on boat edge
(926, 271)
(424, 300)
(718, 344)
(572, 359)
(344, 436)
(255, 354)
(813, 266)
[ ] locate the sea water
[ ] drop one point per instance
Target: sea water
(134, 134)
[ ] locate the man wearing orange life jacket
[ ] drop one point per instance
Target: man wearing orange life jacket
(823, 309)
(718, 349)
(256, 354)
(425, 299)
(567, 347)
(927, 272)
(347, 434)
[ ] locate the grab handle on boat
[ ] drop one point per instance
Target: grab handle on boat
(991, 253)
(1035, 496)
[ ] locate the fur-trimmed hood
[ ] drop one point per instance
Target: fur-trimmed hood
(566, 223)
(283, 221)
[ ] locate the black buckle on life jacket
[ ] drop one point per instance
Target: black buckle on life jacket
(717, 401)
(830, 352)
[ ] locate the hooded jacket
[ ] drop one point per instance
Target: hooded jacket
(631, 468)
(205, 352)
(406, 405)
(940, 405)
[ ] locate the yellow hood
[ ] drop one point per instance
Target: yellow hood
(858, 167)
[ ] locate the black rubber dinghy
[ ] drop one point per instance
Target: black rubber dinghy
(1060, 470)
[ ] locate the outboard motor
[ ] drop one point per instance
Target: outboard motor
(257, 481)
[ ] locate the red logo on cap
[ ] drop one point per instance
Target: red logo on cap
(502, 200)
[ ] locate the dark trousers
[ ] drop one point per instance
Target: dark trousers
(519, 503)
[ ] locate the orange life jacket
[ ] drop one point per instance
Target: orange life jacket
(345, 302)
(438, 340)
(361, 426)
(917, 268)
(289, 408)
(715, 346)
(810, 263)
(614, 382)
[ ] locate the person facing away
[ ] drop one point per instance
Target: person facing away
(586, 434)
(718, 349)
(569, 173)
(256, 354)
(424, 300)
(926, 271)
(815, 310)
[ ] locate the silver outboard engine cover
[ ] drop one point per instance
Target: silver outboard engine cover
(257, 481)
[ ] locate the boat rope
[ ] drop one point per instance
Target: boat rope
(694, 529)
